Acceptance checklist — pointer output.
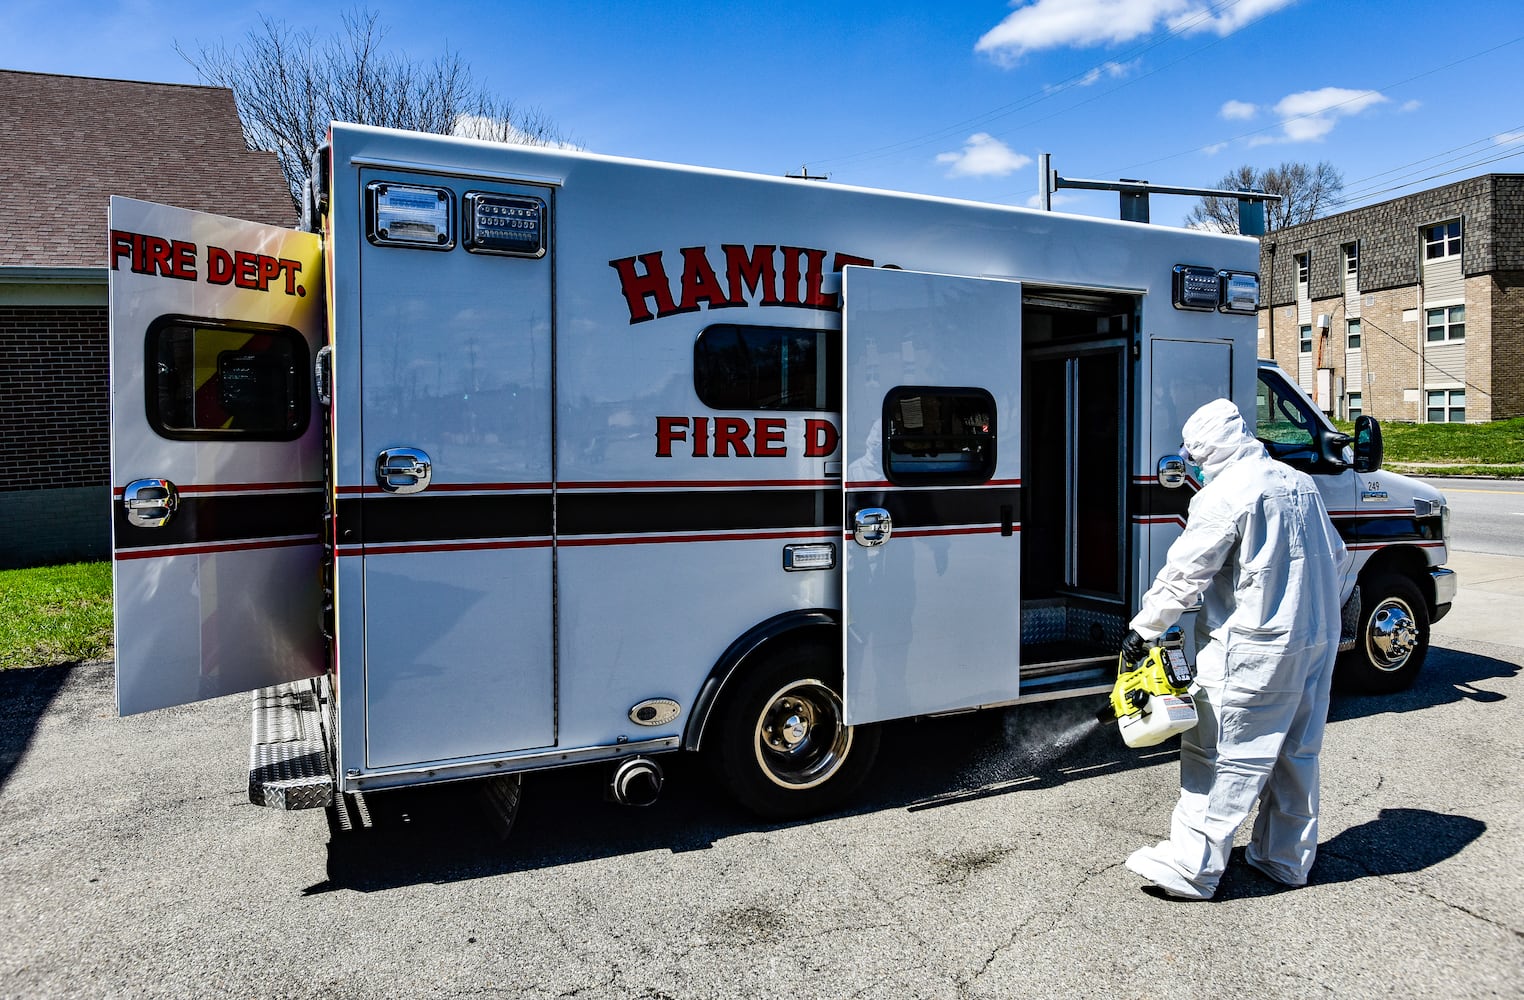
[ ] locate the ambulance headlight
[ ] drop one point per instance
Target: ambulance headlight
(410, 215)
(803, 557)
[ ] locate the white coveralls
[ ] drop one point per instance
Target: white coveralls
(1260, 548)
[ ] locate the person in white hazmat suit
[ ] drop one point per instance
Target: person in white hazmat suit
(1260, 549)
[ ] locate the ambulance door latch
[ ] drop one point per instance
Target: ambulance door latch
(403, 470)
(150, 503)
(872, 526)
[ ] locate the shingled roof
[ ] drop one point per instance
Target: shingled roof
(67, 143)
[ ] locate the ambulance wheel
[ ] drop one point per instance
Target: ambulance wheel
(784, 749)
(1393, 638)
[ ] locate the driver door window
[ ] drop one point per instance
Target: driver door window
(1284, 424)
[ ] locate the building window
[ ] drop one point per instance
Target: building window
(1443, 240)
(1304, 336)
(1447, 323)
(1352, 334)
(1354, 405)
(1447, 406)
(1352, 260)
(1301, 268)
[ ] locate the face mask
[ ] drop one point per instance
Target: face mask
(1191, 468)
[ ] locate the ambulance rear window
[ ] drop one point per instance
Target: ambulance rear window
(767, 368)
(939, 436)
(215, 379)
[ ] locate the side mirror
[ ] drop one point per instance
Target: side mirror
(1368, 448)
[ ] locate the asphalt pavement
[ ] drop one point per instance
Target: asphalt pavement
(983, 859)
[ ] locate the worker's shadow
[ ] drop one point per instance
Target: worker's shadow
(1398, 842)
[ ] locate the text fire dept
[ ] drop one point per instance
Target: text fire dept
(148, 254)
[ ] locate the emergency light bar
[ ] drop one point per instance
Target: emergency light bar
(1206, 289)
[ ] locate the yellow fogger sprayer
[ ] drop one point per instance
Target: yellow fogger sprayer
(1149, 701)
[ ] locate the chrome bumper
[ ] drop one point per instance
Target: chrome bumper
(1445, 585)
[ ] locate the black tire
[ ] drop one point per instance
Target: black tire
(782, 744)
(1393, 638)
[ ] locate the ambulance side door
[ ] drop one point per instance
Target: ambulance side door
(456, 520)
(216, 455)
(931, 440)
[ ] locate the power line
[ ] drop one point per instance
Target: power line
(1283, 122)
(1371, 194)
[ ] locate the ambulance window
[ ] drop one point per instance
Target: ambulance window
(767, 368)
(939, 436)
(214, 379)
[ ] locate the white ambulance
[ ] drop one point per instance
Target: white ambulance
(525, 458)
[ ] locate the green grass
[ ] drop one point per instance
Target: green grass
(55, 614)
(1491, 449)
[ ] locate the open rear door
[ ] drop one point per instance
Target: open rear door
(931, 438)
(216, 454)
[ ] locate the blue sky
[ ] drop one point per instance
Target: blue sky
(948, 98)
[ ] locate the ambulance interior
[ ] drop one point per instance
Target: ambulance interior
(1073, 484)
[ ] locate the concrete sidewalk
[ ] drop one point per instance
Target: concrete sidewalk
(1489, 606)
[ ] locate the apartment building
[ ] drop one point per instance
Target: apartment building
(1408, 310)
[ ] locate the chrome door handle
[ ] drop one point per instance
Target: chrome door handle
(403, 470)
(872, 526)
(150, 503)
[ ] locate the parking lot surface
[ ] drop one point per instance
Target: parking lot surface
(983, 859)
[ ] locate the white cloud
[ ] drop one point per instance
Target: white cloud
(1214, 148)
(1310, 115)
(1411, 105)
(1105, 71)
(1051, 24)
(983, 156)
(1239, 110)
(1211, 17)
(499, 130)
(1060, 199)
(1509, 138)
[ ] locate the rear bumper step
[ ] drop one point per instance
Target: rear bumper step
(288, 760)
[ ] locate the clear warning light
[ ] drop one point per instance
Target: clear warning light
(802, 557)
(410, 215)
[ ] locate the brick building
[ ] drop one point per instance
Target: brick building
(66, 145)
(1411, 309)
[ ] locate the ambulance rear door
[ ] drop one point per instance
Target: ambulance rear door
(931, 439)
(216, 454)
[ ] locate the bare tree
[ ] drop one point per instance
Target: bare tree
(1306, 192)
(290, 84)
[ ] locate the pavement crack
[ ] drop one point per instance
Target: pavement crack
(1420, 890)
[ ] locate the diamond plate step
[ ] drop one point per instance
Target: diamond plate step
(288, 761)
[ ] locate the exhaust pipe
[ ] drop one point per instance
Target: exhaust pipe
(636, 782)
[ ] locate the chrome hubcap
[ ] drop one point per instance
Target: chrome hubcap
(1393, 635)
(801, 735)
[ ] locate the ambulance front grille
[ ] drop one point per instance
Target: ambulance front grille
(288, 760)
